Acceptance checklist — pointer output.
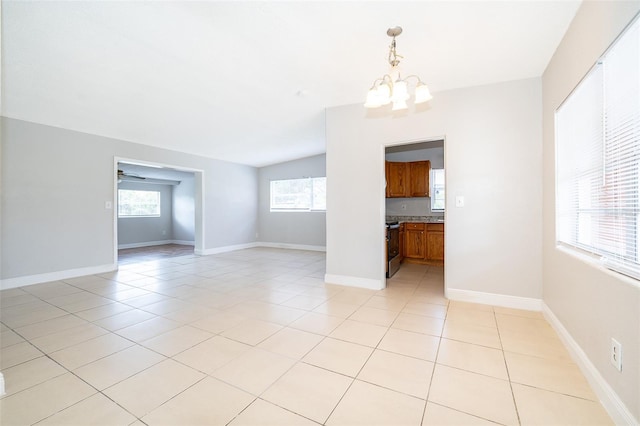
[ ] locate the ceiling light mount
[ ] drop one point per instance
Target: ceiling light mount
(392, 88)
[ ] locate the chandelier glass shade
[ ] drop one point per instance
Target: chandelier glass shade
(392, 88)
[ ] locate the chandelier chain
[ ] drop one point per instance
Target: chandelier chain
(392, 52)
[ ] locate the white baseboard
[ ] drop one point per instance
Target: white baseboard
(55, 276)
(155, 243)
(618, 411)
(292, 246)
(183, 242)
(354, 281)
(225, 249)
(503, 300)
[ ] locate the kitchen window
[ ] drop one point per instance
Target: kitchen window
(134, 203)
(299, 195)
(598, 159)
(437, 190)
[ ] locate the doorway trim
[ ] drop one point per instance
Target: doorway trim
(198, 195)
(383, 203)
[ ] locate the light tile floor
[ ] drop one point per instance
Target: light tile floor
(256, 337)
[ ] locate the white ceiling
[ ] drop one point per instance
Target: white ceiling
(248, 82)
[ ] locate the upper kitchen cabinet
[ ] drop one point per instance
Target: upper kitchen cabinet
(407, 179)
(419, 178)
(397, 179)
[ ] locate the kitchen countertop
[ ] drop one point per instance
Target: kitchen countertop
(425, 219)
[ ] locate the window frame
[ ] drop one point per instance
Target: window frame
(433, 191)
(311, 209)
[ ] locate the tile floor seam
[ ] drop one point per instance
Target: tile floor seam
(464, 412)
(62, 409)
(353, 380)
(242, 411)
(433, 371)
(97, 391)
(6, 395)
(506, 365)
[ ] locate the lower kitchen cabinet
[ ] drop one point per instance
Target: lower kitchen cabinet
(435, 241)
(401, 242)
(414, 241)
(424, 242)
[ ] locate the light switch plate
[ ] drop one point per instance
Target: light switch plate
(459, 201)
(107, 205)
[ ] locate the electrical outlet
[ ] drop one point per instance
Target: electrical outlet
(616, 354)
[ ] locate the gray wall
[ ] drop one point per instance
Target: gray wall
(493, 155)
(592, 303)
(55, 183)
(298, 228)
(137, 230)
(184, 210)
(419, 206)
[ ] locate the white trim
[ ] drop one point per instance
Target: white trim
(154, 243)
(225, 249)
(55, 276)
(292, 246)
(618, 411)
(183, 242)
(354, 281)
(199, 200)
(2, 391)
(503, 300)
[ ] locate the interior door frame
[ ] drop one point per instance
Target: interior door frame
(198, 196)
(383, 207)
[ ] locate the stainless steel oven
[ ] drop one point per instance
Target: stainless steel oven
(393, 248)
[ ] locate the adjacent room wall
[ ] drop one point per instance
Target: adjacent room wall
(55, 183)
(286, 229)
(139, 231)
(415, 206)
(493, 158)
(183, 216)
(592, 304)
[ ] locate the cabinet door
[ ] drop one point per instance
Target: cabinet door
(419, 175)
(435, 245)
(397, 179)
(414, 244)
(401, 241)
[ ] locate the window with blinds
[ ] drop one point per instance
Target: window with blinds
(598, 159)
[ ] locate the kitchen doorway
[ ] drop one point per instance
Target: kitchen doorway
(415, 207)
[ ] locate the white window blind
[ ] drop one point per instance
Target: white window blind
(598, 159)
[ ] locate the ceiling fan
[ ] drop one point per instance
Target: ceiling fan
(122, 174)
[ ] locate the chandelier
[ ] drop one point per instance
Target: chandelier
(392, 88)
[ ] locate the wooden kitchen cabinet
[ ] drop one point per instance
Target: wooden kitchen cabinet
(419, 172)
(435, 241)
(424, 243)
(397, 179)
(406, 180)
(414, 241)
(401, 242)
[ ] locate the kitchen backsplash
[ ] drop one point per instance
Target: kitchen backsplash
(412, 207)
